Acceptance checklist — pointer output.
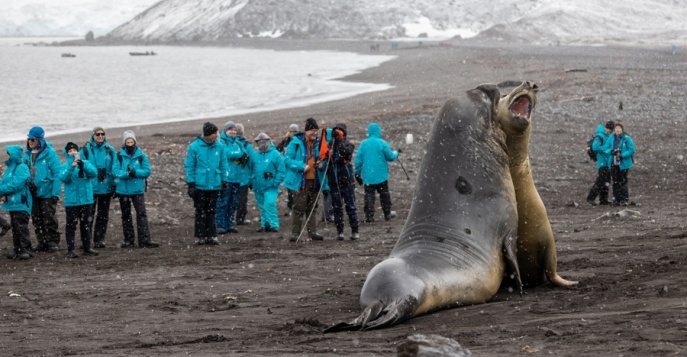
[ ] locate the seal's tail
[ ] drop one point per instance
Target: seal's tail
(373, 317)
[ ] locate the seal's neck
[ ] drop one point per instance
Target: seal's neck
(518, 148)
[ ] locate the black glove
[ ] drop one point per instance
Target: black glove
(102, 175)
(244, 159)
(399, 151)
(79, 163)
(325, 194)
(250, 187)
(132, 173)
(359, 180)
(223, 190)
(191, 190)
(33, 188)
(268, 175)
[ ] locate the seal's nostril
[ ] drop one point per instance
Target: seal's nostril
(463, 186)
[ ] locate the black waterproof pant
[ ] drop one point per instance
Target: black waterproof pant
(205, 203)
(621, 194)
(242, 207)
(100, 216)
(138, 201)
(20, 231)
(344, 194)
(82, 216)
(384, 197)
(43, 215)
(601, 186)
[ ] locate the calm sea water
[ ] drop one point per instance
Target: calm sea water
(105, 86)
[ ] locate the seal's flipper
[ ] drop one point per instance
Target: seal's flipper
(370, 318)
(370, 313)
(511, 258)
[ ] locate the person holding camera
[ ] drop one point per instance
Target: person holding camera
(267, 168)
(623, 150)
(101, 155)
(131, 171)
(76, 174)
(14, 191)
(603, 164)
(44, 166)
(341, 181)
(244, 175)
(281, 147)
(206, 177)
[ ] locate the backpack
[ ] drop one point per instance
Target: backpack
(591, 153)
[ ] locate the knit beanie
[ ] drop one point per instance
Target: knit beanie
(36, 133)
(70, 145)
(228, 125)
(262, 136)
(610, 125)
(209, 129)
(310, 124)
(239, 129)
(97, 129)
(128, 134)
(293, 127)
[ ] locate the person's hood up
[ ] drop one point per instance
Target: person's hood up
(374, 130)
(15, 152)
(342, 127)
(600, 130)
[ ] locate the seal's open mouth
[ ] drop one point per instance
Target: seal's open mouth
(521, 107)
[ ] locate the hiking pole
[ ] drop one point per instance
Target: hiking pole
(404, 169)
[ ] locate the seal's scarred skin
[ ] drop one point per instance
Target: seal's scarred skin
(459, 237)
(536, 246)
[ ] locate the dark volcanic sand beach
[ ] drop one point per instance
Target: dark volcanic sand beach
(258, 294)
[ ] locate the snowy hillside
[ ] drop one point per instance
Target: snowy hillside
(536, 21)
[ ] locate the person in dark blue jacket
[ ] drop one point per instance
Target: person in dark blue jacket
(102, 155)
(235, 155)
(623, 149)
(244, 170)
(603, 164)
(44, 166)
(206, 177)
(14, 187)
(340, 177)
(372, 171)
(131, 171)
(76, 174)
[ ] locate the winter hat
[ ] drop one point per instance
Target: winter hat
(610, 125)
(293, 127)
(70, 145)
(239, 129)
(209, 129)
(128, 134)
(36, 133)
(262, 136)
(228, 125)
(310, 124)
(97, 129)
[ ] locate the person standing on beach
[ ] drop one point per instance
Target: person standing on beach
(235, 155)
(131, 171)
(341, 181)
(622, 150)
(101, 155)
(281, 147)
(372, 171)
(603, 164)
(77, 174)
(303, 175)
(44, 166)
(244, 173)
(206, 177)
(14, 190)
(267, 174)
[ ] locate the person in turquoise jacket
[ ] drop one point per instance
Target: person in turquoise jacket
(603, 164)
(267, 168)
(623, 149)
(372, 171)
(102, 155)
(236, 156)
(44, 166)
(131, 170)
(76, 174)
(14, 186)
(206, 177)
(304, 174)
(244, 169)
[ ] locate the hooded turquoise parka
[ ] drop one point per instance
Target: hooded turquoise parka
(14, 182)
(78, 189)
(372, 157)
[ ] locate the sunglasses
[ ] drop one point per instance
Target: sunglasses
(31, 139)
(99, 134)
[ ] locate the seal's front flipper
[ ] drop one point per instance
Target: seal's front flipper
(511, 257)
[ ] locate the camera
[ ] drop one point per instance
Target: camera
(102, 174)
(268, 175)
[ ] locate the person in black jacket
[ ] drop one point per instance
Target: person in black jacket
(341, 179)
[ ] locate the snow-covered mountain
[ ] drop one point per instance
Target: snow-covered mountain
(536, 21)
(66, 17)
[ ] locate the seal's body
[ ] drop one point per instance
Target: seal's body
(459, 237)
(536, 246)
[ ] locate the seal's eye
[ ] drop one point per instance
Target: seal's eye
(463, 186)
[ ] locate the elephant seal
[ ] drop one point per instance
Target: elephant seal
(459, 237)
(536, 246)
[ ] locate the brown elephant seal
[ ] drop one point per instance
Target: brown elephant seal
(536, 246)
(459, 237)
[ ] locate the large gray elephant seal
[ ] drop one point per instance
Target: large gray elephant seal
(459, 237)
(536, 246)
